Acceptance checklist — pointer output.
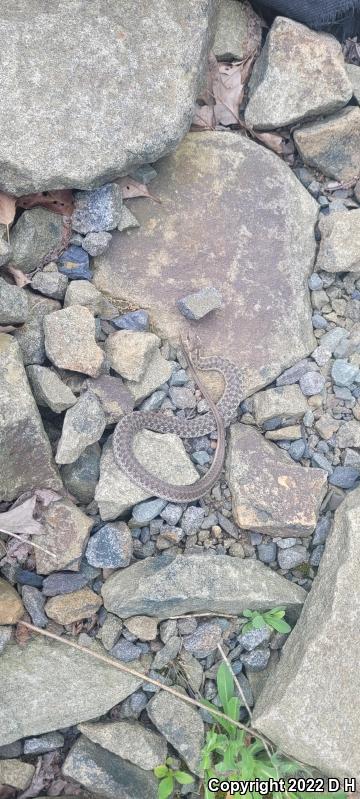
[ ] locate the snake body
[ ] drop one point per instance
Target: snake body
(217, 418)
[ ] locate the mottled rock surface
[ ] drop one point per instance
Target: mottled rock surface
(67, 530)
(332, 144)
(25, 454)
(238, 30)
(181, 725)
(271, 494)
(283, 87)
(315, 687)
(129, 740)
(84, 425)
(260, 270)
(35, 235)
(70, 341)
(340, 242)
(49, 390)
(11, 606)
(169, 585)
(115, 129)
(62, 696)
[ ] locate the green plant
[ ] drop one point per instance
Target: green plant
(270, 618)
(233, 754)
(169, 777)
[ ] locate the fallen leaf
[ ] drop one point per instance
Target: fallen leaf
(223, 92)
(21, 519)
(131, 188)
(273, 141)
(7, 210)
(204, 118)
(46, 496)
(20, 278)
(60, 201)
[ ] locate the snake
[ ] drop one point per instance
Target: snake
(217, 418)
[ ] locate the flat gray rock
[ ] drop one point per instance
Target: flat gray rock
(317, 682)
(14, 306)
(169, 585)
(180, 724)
(26, 460)
(128, 739)
(260, 273)
(238, 30)
(84, 425)
(69, 687)
(332, 144)
(271, 494)
(340, 242)
(107, 775)
(82, 126)
(299, 74)
(49, 390)
(34, 236)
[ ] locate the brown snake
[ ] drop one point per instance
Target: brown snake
(217, 418)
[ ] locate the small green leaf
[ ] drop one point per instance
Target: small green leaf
(165, 788)
(161, 771)
(225, 684)
(232, 708)
(258, 622)
(248, 614)
(280, 625)
(183, 778)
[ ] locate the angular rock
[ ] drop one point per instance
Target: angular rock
(72, 607)
(106, 774)
(271, 494)
(49, 390)
(96, 243)
(115, 398)
(110, 547)
(168, 585)
(31, 336)
(110, 631)
(34, 237)
(116, 130)
(133, 320)
(143, 627)
(332, 145)
(70, 341)
(312, 383)
(292, 557)
(129, 353)
(63, 583)
(161, 453)
(130, 740)
(180, 724)
(349, 435)
(11, 606)
(238, 30)
(74, 264)
(304, 718)
(199, 304)
(97, 210)
(128, 220)
(25, 454)
(291, 433)
(14, 306)
(62, 697)
(16, 773)
(261, 274)
(81, 292)
(80, 478)
(283, 87)
(204, 640)
(51, 284)
(84, 425)
(44, 743)
(34, 602)
(340, 242)
(67, 530)
(158, 371)
(281, 401)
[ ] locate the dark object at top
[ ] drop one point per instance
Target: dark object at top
(339, 17)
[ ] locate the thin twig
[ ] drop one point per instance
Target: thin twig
(201, 615)
(26, 541)
(143, 677)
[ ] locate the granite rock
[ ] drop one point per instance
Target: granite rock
(70, 341)
(332, 144)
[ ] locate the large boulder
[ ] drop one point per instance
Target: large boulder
(234, 217)
(26, 460)
(119, 93)
(46, 685)
(169, 585)
(299, 74)
(310, 705)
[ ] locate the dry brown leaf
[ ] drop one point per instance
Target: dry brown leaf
(273, 141)
(7, 210)
(203, 118)
(131, 188)
(21, 519)
(60, 201)
(223, 92)
(20, 278)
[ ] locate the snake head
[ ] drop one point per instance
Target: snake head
(191, 344)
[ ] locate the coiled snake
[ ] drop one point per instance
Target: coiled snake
(217, 418)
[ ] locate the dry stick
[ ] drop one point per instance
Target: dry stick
(26, 541)
(142, 677)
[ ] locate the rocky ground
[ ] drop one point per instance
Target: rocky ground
(262, 249)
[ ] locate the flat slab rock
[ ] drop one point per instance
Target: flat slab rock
(115, 129)
(46, 685)
(271, 494)
(169, 585)
(26, 460)
(332, 144)
(316, 686)
(216, 192)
